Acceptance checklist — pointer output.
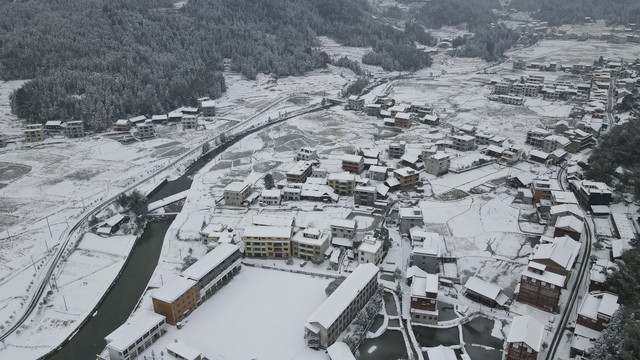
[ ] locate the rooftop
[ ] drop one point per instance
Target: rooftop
(528, 330)
(483, 288)
(421, 285)
(352, 158)
(267, 220)
(343, 223)
(599, 303)
(563, 251)
(212, 259)
(267, 232)
(170, 291)
(135, 327)
(237, 186)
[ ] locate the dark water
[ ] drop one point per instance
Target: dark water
(121, 299)
(389, 346)
(446, 311)
(432, 337)
(478, 353)
(390, 304)
(478, 331)
(378, 320)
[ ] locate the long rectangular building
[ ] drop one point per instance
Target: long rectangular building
(271, 242)
(336, 313)
(135, 336)
(215, 269)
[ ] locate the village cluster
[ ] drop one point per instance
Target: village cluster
(380, 183)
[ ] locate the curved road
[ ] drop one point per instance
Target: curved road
(45, 276)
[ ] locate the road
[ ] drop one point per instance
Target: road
(236, 133)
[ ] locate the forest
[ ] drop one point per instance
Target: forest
(99, 60)
(558, 12)
(618, 147)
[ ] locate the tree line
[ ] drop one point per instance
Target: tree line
(99, 60)
(558, 12)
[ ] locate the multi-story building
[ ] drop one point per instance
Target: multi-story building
(133, 337)
(597, 309)
(570, 226)
(463, 142)
(519, 65)
(215, 269)
(437, 164)
(407, 177)
(122, 125)
(598, 274)
(424, 299)
(271, 197)
(355, 103)
(176, 299)
(335, 314)
(542, 188)
(369, 251)
(364, 195)
(309, 243)
(557, 256)
(540, 287)
(580, 140)
(378, 172)
(426, 254)
(189, 122)
(307, 154)
(146, 130)
(74, 129)
(33, 133)
(299, 172)
(342, 183)
(343, 228)
(591, 193)
(403, 120)
(397, 149)
(536, 137)
(421, 108)
(208, 108)
(373, 109)
(409, 218)
(352, 163)
(525, 338)
(555, 142)
(271, 242)
(236, 193)
(502, 88)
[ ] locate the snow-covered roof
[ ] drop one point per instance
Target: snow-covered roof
(378, 169)
(546, 276)
(403, 116)
(135, 327)
(430, 244)
(114, 220)
(566, 209)
(208, 104)
(563, 251)
(122, 122)
(343, 296)
(382, 189)
(440, 155)
(600, 209)
(599, 270)
(352, 158)
(599, 303)
(272, 193)
(138, 119)
(300, 237)
(464, 138)
(410, 213)
(299, 168)
(340, 241)
(236, 186)
(267, 231)
(563, 197)
(159, 117)
(528, 330)
(495, 149)
(415, 271)
(53, 123)
(392, 182)
(183, 350)
(441, 353)
(342, 176)
(370, 247)
(208, 262)
(539, 154)
(570, 222)
(340, 351)
(421, 285)
(405, 171)
(343, 223)
(172, 290)
(280, 220)
(483, 288)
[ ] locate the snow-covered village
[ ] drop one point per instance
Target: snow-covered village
(449, 212)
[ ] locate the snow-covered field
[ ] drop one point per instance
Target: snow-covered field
(259, 314)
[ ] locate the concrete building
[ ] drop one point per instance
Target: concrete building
(424, 299)
(463, 142)
(397, 149)
(299, 172)
(342, 183)
(74, 129)
(133, 337)
(307, 154)
(355, 103)
(364, 195)
(309, 243)
(271, 197)
(145, 130)
(122, 125)
(437, 164)
(590, 193)
(378, 173)
(410, 217)
(215, 269)
(352, 163)
(426, 253)
(335, 314)
(176, 299)
(189, 122)
(570, 226)
(502, 88)
(403, 120)
(407, 177)
(558, 256)
(271, 242)
(524, 341)
(343, 228)
(369, 251)
(33, 133)
(536, 137)
(597, 309)
(208, 108)
(373, 109)
(236, 193)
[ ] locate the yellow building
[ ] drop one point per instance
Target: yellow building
(33, 133)
(272, 242)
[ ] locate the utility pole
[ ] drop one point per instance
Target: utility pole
(65, 303)
(49, 226)
(34, 264)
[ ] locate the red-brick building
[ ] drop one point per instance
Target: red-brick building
(424, 299)
(353, 163)
(540, 287)
(597, 309)
(525, 338)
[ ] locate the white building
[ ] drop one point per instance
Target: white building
(343, 228)
(370, 251)
(137, 334)
(270, 197)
